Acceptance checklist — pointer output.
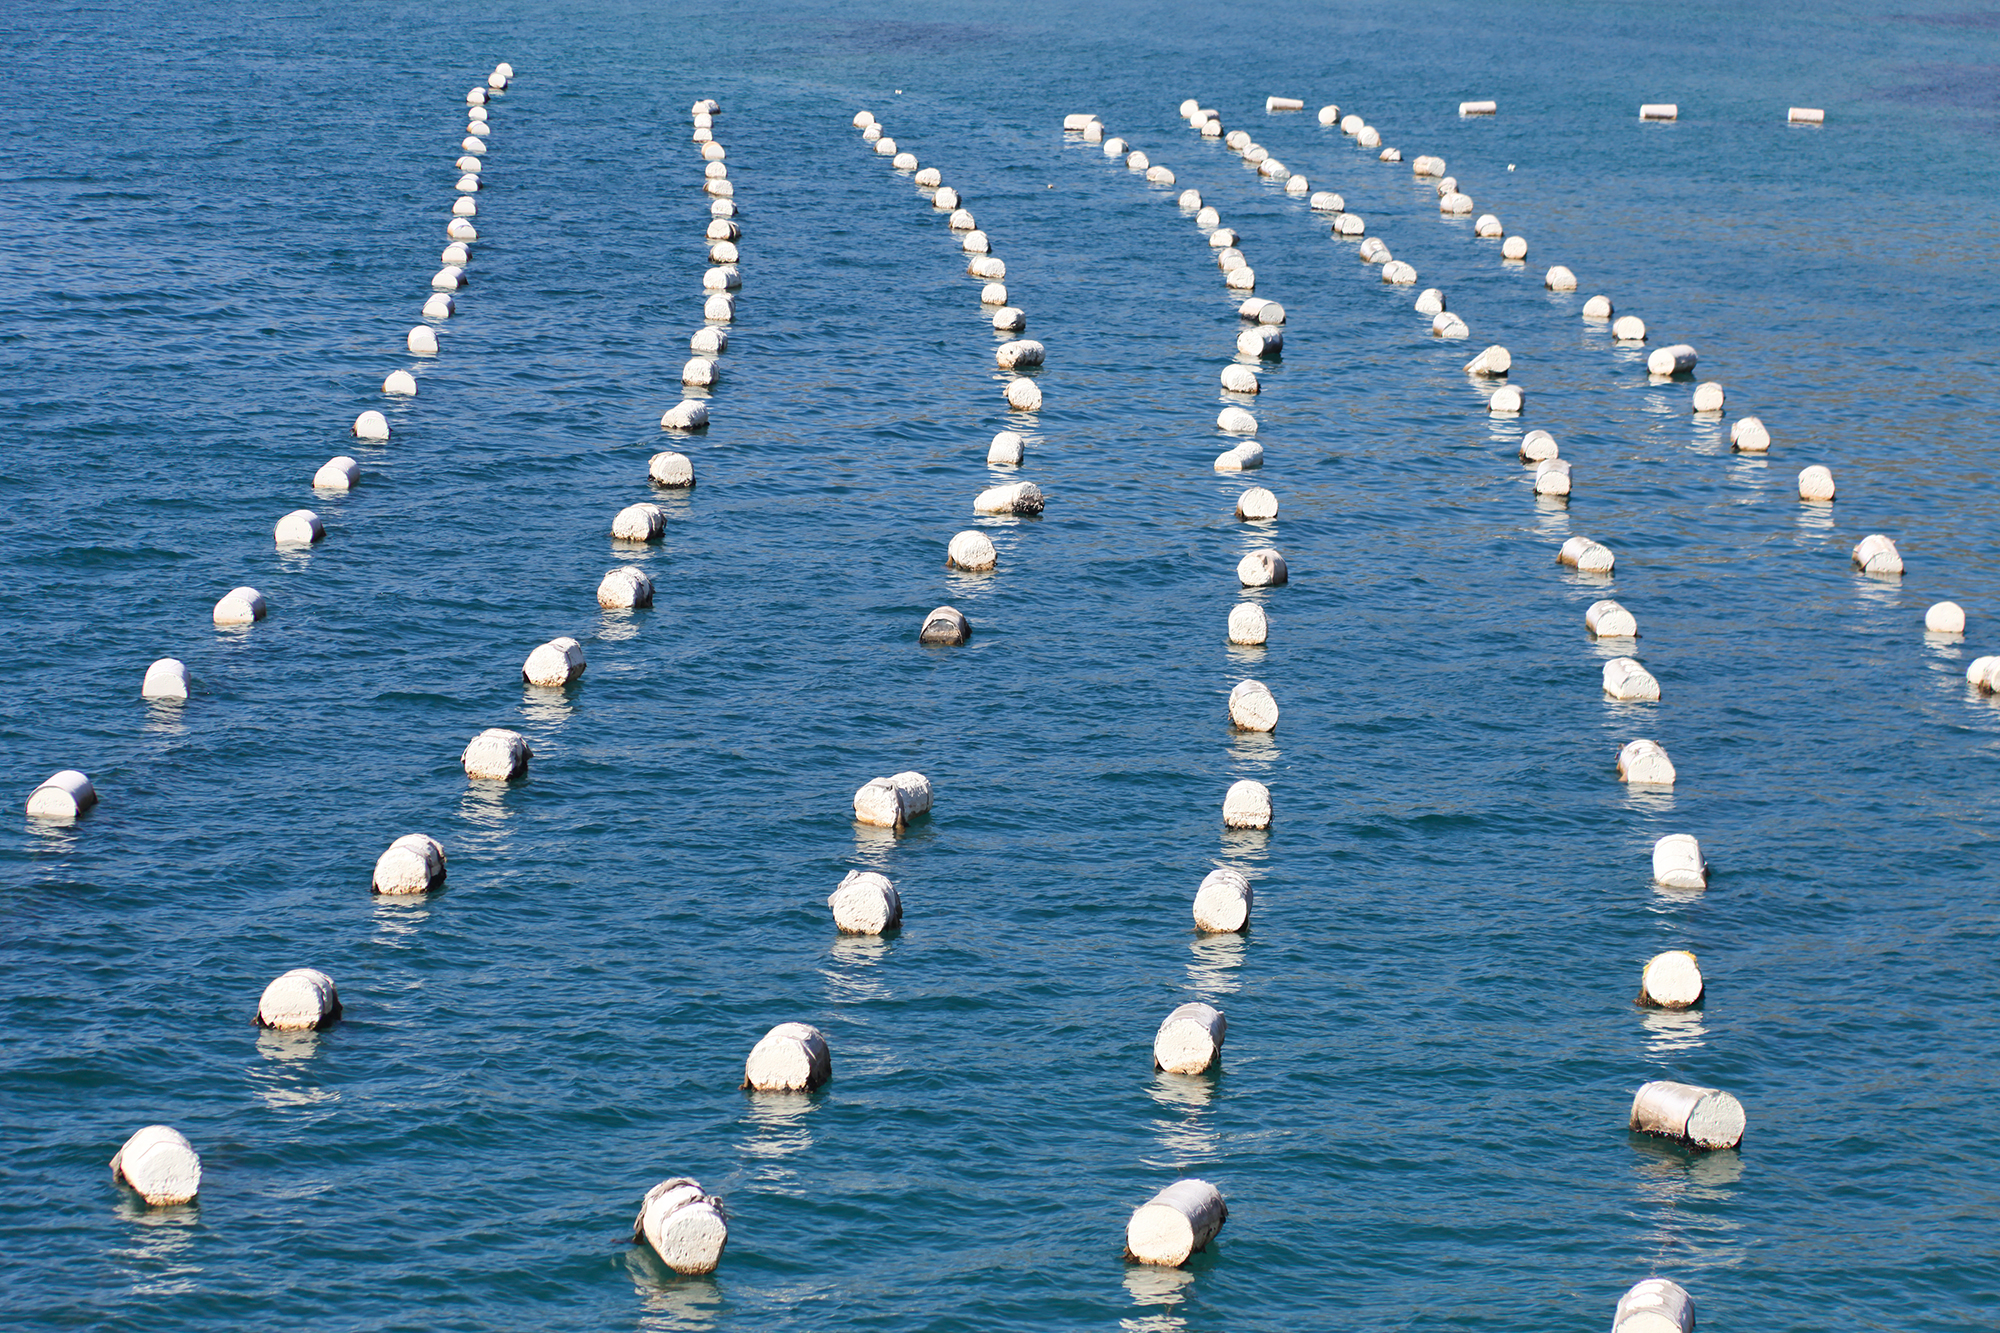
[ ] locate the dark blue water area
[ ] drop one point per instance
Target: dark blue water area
(216, 227)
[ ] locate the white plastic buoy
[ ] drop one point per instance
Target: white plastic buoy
(1505, 402)
(1350, 224)
(468, 183)
(1805, 115)
(1256, 503)
(1137, 161)
(1236, 420)
(1456, 205)
(160, 1165)
(459, 229)
(465, 208)
(1586, 556)
(63, 795)
(1399, 274)
(455, 255)
(945, 627)
(1597, 308)
(1445, 324)
(240, 606)
(372, 425)
(699, 371)
(1297, 185)
(1747, 435)
(1022, 497)
(946, 200)
(1876, 554)
(1264, 340)
(476, 97)
(639, 523)
(884, 145)
(971, 549)
(1368, 137)
(1430, 301)
(1478, 108)
(1284, 104)
(1374, 250)
(1678, 359)
(684, 1226)
(1176, 1223)
(928, 178)
(1697, 1116)
(1019, 352)
(1671, 980)
(1552, 477)
(993, 293)
(863, 119)
(468, 164)
(1190, 1039)
(792, 1057)
(1981, 675)
(688, 414)
(555, 663)
(1494, 361)
(1252, 708)
(1655, 1305)
(338, 473)
(1222, 903)
(1678, 862)
(1247, 804)
(1627, 681)
(893, 801)
(1076, 120)
(1392, 155)
(302, 1000)
(624, 589)
(1426, 165)
(1326, 201)
(866, 904)
(720, 307)
(1708, 397)
(1010, 319)
(1007, 449)
(301, 527)
(1645, 763)
(724, 252)
(1629, 329)
(423, 340)
(414, 863)
(1329, 114)
(1262, 569)
(452, 276)
(1222, 238)
(1659, 111)
(985, 266)
(1248, 625)
(709, 341)
(1024, 396)
(1559, 279)
(1537, 446)
(1943, 618)
(165, 679)
(1607, 619)
(1514, 247)
(1239, 379)
(904, 162)
(1190, 199)
(1247, 455)
(670, 469)
(439, 306)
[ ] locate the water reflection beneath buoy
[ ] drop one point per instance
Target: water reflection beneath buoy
(668, 1300)
(1671, 1032)
(154, 1261)
(1156, 1285)
(777, 1124)
(1214, 968)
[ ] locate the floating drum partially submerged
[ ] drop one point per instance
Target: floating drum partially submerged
(1256, 503)
(423, 339)
(496, 755)
(1659, 111)
(1697, 1116)
(302, 1000)
(1608, 620)
(792, 1057)
(1815, 483)
(301, 527)
(1597, 307)
(639, 523)
(971, 549)
(1024, 396)
(628, 587)
(1494, 361)
(1626, 680)
(699, 371)
(1672, 980)
(1247, 455)
(1514, 247)
(1708, 397)
(1262, 569)
(1538, 445)
(1747, 435)
(1552, 477)
(1019, 352)
(1190, 1040)
(1264, 340)
(1247, 804)
(165, 679)
(1252, 708)
(1248, 624)
(1022, 497)
(1644, 763)
(945, 626)
(1805, 115)
(1430, 302)
(1678, 863)
(400, 383)
(1876, 554)
(1586, 556)
(554, 664)
(1678, 359)
(414, 863)
(1174, 1224)
(1239, 379)
(1399, 273)
(892, 802)
(685, 1227)
(670, 469)
(866, 904)
(1629, 329)
(1506, 401)
(1222, 903)
(240, 606)
(160, 1165)
(688, 414)
(63, 795)
(1944, 618)
(1010, 319)
(373, 425)
(1007, 449)
(1236, 420)
(1654, 1306)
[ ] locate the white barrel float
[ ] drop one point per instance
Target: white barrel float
(1697, 1116)
(1174, 1224)
(63, 795)
(639, 523)
(945, 200)
(1478, 108)
(688, 414)
(458, 229)
(1644, 763)
(1374, 250)
(1671, 980)
(1494, 361)
(1138, 161)
(993, 293)
(414, 863)
(792, 1057)
(722, 189)
(893, 801)
(668, 468)
(1505, 402)
(1297, 185)
(1654, 1306)
(975, 243)
(928, 178)
(1514, 247)
(1246, 456)
(1392, 155)
(946, 627)
(422, 340)
(1678, 862)
(971, 549)
(1247, 804)
(1256, 154)
(985, 266)
(400, 383)
(1943, 618)
(1024, 395)
(302, 1000)
(1010, 319)
(469, 164)
(372, 425)
(1559, 279)
(699, 371)
(904, 162)
(1606, 619)
(1022, 497)
(1256, 503)
(1264, 340)
(1659, 111)
(1239, 379)
(1430, 301)
(1708, 397)
(464, 208)
(1400, 274)
(1076, 120)
(1243, 279)
(1115, 147)
(1284, 104)
(301, 527)
(885, 146)
(1537, 446)
(1627, 681)
(159, 1165)
(1221, 906)
(1597, 307)
(1805, 115)
(240, 606)
(863, 119)
(476, 97)
(1876, 554)
(724, 252)
(1455, 204)
(866, 904)
(1190, 1039)
(1447, 325)
(709, 342)
(1552, 477)
(496, 755)
(1262, 569)
(1019, 352)
(1007, 449)
(1248, 624)
(1252, 708)
(1349, 224)
(1211, 129)
(1629, 329)
(1260, 311)
(1981, 675)
(555, 663)
(1236, 420)
(1221, 238)
(1678, 359)
(685, 1227)
(1326, 201)
(1747, 435)
(1586, 556)
(1368, 137)
(625, 588)
(1191, 199)
(165, 679)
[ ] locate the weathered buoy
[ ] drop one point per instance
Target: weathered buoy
(554, 664)
(1586, 556)
(1190, 1039)
(1115, 147)
(159, 1165)
(63, 795)
(302, 1000)
(792, 1057)
(1708, 397)
(1629, 329)
(1222, 238)
(1236, 421)
(1644, 763)
(1222, 903)
(971, 549)
(1242, 279)
(1537, 446)
(1239, 379)
(1176, 1223)
(423, 340)
(1349, 224)
(1076, 120)
(1007, 449)
(1191, 200)
(904, 162)
(1678, 863)
(1505, 402)
(414, 863)
(240, 606)
(1245, 456)
(458, 229)
(699, 371)
(1697, 1116)
(372, 425)
(476, 97)
(1478, 108)
(684, 1226)
(1374, 250)
(1329, 114)
(866, 904)
(1426, 165)
(1748, 436)
(1494, 361)
(1597, 308)
(1606, 619)
(165, 679)
(301, 527)
(1260, 311)
(928, 179)
(468, 183)
(1262, 569)
(639, 523)
(945, 627)
(1252, 708)
(893, 801)
(1256, 503)
(1247, 804)
(625, 588)
(670, 469)
(1876, 554)
(1430, 301)
(993, 293)
(1248, 624)
(1445, 324)
(724, 252)
(1019, 352)
(1283, 104)
(1678, 359)
(1805, 115)
(709, 341)
(1138, 161)
(688, 414)
(1654, 1306)
(1022, 497)
(1024, 395)
(1627, 681)
(1264, 340)
(946, 200)
(1671, 980)
(863, 119)
(1943, 618)
(1094, 131)
(1297, 185)
(1398, 273)
(1455, 204)
(1552, 477)
(1010, 319)
(1659, 111)
(985, 266)
(884, 145)
(465, 208)
(1981, 675)
(720, 307)
(400, 383)
(1368, 137)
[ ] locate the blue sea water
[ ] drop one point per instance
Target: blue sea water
(216, 225)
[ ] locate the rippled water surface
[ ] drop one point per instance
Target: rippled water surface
(217, 225)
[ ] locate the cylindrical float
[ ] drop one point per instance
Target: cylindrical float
(971, 549)
(1627, 681)
(945, 627)
(1252, 707)
(1022, 497)
(1678, 862)
(414, 863)
(1697, 1116)
(496, 755)
(1708, 397)
(686, 1227)
(1190, 1039)
(1815, 483)
(671, 470)
(1587, 556)
(240, 606)
(63, 795)
(1943, 618)
(165, 679)
(1248, 625)
(1678, 359)
(1256, 503)
(302, 1000)
(1239, 379)
(1175, 1223)
(893, 801)
(554, 664)
(792, 1057)
(1606, 619)
(866, 904)
(1597, 308)
(1247, 804)
(639, 523)
(1876, 554)
(301, 527)
(1222, 904)
(1262, 569)
(1747, 435)
(160, 1165)
(1494, 361)
(1671, 980)
(688, 414)
(1629, 329)
(1654, 1306)
(1538, 446)
(1644, 763)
